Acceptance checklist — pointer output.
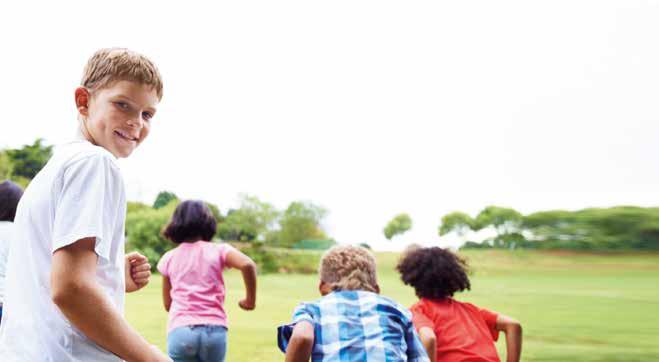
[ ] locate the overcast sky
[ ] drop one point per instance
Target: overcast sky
(368, 108)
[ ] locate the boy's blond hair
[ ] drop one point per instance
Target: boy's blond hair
(109, 65)
(347, 267)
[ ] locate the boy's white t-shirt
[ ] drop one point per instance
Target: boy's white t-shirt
(6, 228)
(78, 194)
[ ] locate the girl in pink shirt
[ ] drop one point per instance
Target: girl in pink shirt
(193, 287)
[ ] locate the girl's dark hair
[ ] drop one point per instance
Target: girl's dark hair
(10, 194)
(192, 221)
(434, 273)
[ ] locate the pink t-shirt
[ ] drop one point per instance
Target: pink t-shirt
(195, 272)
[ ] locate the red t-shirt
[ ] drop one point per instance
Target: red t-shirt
(464, 332)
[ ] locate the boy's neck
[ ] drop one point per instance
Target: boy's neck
(83, 134)
(78, 136)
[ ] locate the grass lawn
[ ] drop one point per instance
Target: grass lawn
(573, 307)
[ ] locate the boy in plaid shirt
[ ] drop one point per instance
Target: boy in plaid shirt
(351, 322)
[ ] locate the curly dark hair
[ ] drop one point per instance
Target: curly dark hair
(192, 221)
(434, 273)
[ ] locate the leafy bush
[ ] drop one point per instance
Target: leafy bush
(251, 221)
(275, 260)
(164, 198)
(474, 245)
(314, 244)
(144, 226)
(300, 221)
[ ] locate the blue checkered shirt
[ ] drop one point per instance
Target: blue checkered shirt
(357, 326)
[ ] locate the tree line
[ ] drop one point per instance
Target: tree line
(613, 228)
(595, 229)
(254, 222)
(299, 225)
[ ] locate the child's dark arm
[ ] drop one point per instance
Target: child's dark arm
(429, 341)
(166, 292)
(513, 331)
(77, 294)
(240, 261)
(301, 343)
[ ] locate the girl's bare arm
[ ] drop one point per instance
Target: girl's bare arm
(240, 261)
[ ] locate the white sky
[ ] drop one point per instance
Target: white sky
(369, 108)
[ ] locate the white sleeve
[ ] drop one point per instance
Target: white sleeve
(87, 204)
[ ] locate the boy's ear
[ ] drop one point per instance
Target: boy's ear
(377, 288)
(324, 288)
(82, 97)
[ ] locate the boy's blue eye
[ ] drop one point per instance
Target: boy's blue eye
(122, 105)
(147, 116)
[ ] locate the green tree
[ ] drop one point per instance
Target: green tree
(144, 226)
(251, 221)
(615, 228)
(456, 222)
(506, 221)
(400, 224)
(28, 160)
(164, 198)
(238, 225)
(215, 211)
(134, 206)
(5, 166)
(300, 221)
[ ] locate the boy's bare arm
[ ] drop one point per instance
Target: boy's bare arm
(240, 261)
(79, 297)
(429, 340)
(166, 292)
(513, 331)
(301, 343)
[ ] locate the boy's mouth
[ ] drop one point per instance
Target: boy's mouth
(125, 136)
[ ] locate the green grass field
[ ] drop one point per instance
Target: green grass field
(573, 307)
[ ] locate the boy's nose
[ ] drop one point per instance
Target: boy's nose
(136, 121)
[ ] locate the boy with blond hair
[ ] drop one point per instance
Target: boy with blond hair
(351, 322)
(67, 273)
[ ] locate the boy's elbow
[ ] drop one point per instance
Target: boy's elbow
(64, 292)
(304, 339)
(303, 334)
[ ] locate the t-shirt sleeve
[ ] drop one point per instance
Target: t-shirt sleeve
(5, 238)
(284, 332)
(163, 264)
(420, 320)
(88, 203)
(302, 313)
(490, 319)
(224, 251)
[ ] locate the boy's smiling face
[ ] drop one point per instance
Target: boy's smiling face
(117, 117)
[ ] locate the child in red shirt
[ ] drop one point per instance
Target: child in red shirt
(451, 330)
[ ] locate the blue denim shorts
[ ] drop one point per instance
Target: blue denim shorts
(198, 343)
